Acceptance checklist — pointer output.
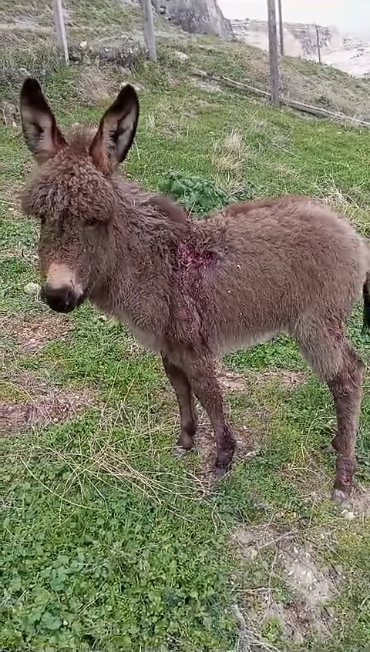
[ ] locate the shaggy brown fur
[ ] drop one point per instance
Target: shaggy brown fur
(192, 290)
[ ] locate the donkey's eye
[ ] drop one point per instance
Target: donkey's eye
(91, 222)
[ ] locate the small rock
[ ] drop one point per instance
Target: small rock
(263, 507)
(32, 289)
(125, 71)
(83, 44)
(251, 553)
(330, 611)
(24, 72)
(182, 56)
(200, 73)
(348, 515)
(338, 569)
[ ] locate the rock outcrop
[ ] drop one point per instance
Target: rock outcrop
(197, 16)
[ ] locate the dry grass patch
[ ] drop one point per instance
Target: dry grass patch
(234, 381)
(96, 86)
(150, 122)
(354, 209)
(359, 504)
(229, 154)
(11, 198)
(24, 253)
(316, 484)
(208, 86)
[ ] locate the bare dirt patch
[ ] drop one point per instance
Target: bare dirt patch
(36, 332)
(312, 586)
(54, 409)
(305, 577)
(34, 401)
(358, 505)
(288, 379)
(231, 381)
(206, 448)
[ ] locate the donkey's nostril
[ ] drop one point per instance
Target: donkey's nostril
(62, 299)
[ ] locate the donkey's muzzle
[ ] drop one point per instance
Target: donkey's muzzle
(62, 299)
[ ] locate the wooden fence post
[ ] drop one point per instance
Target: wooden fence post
(273, 53)
(148, 23)
(281, 28)
(318, 43)
(60, 28)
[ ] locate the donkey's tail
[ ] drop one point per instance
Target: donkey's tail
(366, 295)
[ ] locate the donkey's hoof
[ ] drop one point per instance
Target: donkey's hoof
(220, 472)
(339, 496)
(180, 451)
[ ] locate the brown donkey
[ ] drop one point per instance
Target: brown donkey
(192, 290)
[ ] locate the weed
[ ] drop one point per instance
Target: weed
(198, 195)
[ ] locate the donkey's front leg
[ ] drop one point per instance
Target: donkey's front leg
(203, 379)
(185, 399)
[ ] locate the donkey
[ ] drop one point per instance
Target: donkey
(194, 289)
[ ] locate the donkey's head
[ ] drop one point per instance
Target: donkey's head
(73, 193)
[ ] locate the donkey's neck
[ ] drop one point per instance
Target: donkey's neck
(146, 241)
(147, 228)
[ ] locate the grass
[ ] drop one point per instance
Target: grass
(109, 543)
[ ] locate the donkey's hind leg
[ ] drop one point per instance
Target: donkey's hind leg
(337, 363)
(346, 388)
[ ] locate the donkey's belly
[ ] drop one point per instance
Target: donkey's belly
(147, 339)
(240, 341)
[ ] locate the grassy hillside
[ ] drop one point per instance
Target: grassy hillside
(109, 543)
(112, 27)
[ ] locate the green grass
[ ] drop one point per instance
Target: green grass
(109, 543)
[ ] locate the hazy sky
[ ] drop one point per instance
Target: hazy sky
(350, 16)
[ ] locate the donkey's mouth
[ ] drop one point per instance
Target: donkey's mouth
(62, 299)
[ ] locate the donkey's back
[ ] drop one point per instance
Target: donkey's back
(282, 263)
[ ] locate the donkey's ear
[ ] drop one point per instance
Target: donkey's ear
(116, 131)
(40, 130)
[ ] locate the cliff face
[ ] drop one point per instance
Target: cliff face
(299, 40)
(346, 53)
(197, 16)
